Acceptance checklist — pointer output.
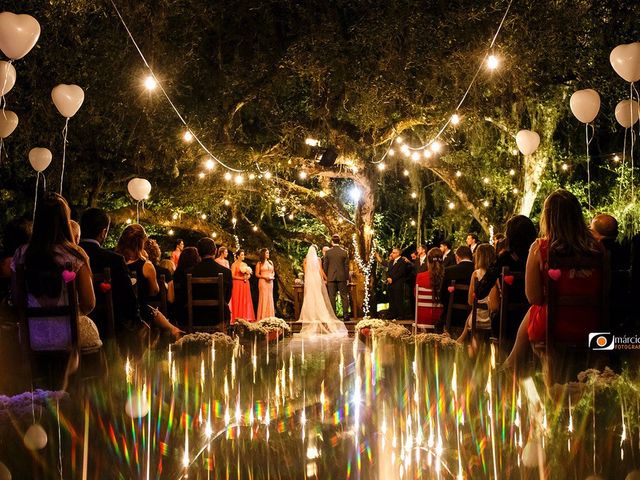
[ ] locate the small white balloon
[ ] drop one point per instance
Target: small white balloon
(35, 438)
(67, 99)
(625, 60)
(137, 406)
(585, 105)
(527, 141)
(8, 123)
(5, 474)
(139, 188)
(633, 475)
(18, 34)
(627, 113)
(531, 452)
(40, 158)
(7, 77)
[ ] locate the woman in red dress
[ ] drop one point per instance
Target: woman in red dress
(430, 308)
(241, 302)
(564, 233)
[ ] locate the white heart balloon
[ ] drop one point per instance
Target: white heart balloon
(8, 123)
(585, 105)
(625, 60)
(527, 141)
(7, 77)
(5, 474)
(139, 188)
(35, 438)
(18, 34)
(627, 113)
(40, 158)
(67, 99)
(137, 405)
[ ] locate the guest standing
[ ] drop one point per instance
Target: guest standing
(448, 257)
(177, 251)
(266, 274)
(221, 257)
(399, 268)
(241, 302)
(472, 242)
(335, 264)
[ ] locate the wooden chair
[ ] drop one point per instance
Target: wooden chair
(102, 287)
(509, 307)
(576, 351)
(424, 299)
(457, 287)
(210, 302)
(160, 301)
(475, 307)
(50, 339)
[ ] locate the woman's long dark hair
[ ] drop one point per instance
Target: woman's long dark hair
(262, 255)
(50, 230)
(436, 271)
(131, 242)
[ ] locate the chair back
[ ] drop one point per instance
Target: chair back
(590, 303)
(48, 329)
(509, 306)
(456, 287)
(102, 286)
(424, 299)
(218, 301)
(474, 311)
(160, 300)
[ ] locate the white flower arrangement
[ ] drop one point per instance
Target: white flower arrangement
(203, 339)
(383, 328)
(246, 269)
(264, 326)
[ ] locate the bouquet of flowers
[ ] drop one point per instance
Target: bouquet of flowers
(246, 269)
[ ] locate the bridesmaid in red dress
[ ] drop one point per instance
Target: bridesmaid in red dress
(265, 273)
(241, 302)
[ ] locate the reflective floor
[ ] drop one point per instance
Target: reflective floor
(381, 408)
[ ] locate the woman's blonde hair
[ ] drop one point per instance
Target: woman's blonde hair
(484, 256)
(563, 225)
(131, 242)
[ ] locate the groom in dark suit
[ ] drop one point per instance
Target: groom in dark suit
(335, 264)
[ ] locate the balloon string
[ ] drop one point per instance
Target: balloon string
(588, 141)
(633, 182)
(623, 175)
(35, 200)
(138, 211)
(65, 130)
(3, 100)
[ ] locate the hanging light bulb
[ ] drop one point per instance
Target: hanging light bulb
(485, 180)
(201, 175)
(485, 203)
(382, 166)
(209, 164)
(252, 176)
(492, 62)
(415, 156)
(203, 216)
(291, 216)
(312, 142)
(226, 202)
(255, 228)
(234, 221)
(436, 146)
(406, 151)
(188, 136)
(267, 175)
(214, 234)
(170, 233)
(413, 223)
(458, 174)
(427, 153)
(616, 158)
(227, 176)
(405, 172)
(322, 194)
(414, 195)
(512, 172)
(451, 205)
(399, 140)
(239, 179)
(174, 216)
(150, 83)
(455, 119)
(129, 221)
(391, 152)
(515, 190)
(302, 175)
(565, 167)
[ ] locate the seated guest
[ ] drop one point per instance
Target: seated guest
(430, 309)
(131, 247)
(95, 227)
(189, 258)
(167, 265)
(208, 267)
(50, 250)
(448, 257)
(604, 229)
(484, 257)
(461, 273)
(16, 233)
(564, 233)
(75, 231)
(520, 233)
(152, 249)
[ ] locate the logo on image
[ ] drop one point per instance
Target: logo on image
(601, 341)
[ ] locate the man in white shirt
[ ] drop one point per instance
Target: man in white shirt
(472, 242)
(420, 263)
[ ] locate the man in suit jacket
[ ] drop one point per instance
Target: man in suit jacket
(448, 257)
(398, 270)
(420, 263)
(461, 273)
(335, 263)
(472, 242)
(208, 267)
(94, 225)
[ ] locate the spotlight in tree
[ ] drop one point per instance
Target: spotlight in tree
(493, 62)
(355, 193)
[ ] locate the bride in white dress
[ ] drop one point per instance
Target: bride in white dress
(317, 316)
